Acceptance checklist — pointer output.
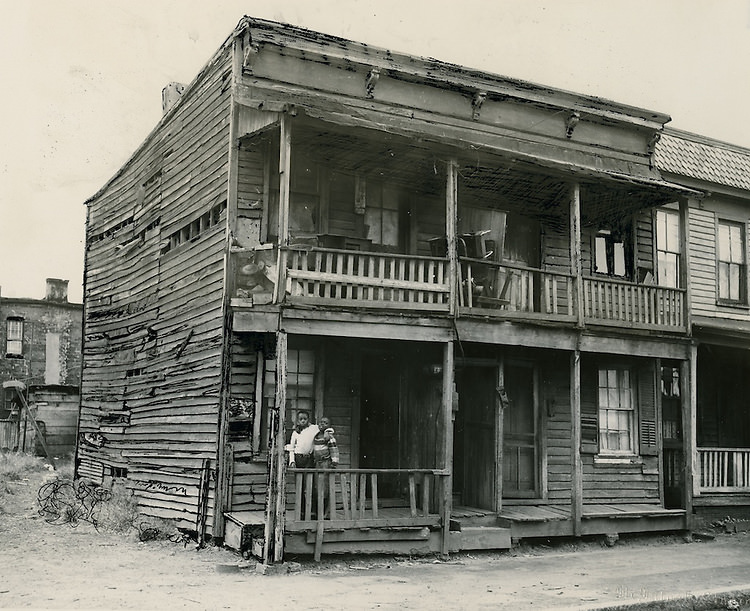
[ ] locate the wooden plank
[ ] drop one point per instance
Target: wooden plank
(576, 501)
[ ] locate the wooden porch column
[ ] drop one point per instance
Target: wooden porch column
(689, 390)
(447, 449)
(576, 481)
(685, 262)
(276, 494)
(451, 221)
(285, 159)
(575, 251)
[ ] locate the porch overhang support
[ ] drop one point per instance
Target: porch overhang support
(689, 390)
(451, 222)
(576, 488)
(276, 497)
(447, 449)
(575, 251)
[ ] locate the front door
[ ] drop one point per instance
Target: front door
(671, 427)
(520, 444)
(474, 437)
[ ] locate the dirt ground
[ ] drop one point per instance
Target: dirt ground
(49, 566)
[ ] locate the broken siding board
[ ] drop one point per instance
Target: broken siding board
(189, 419)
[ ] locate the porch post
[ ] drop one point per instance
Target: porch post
(576, 481)
(276, 494)
(285, 157)
(447, 449)
(685, 263)
(451, 220)
(575, 251)
(689, 390)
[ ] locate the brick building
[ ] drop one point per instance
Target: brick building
(42, 351)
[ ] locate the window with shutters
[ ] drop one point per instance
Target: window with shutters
(616, 412)
(618, 408)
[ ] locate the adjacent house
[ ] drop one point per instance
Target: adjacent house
(481, 281)
(720, 311)
(40, 369)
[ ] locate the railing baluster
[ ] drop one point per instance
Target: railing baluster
(331, 495)
(425, 494)
(374, 494)
(321, 496)
(354, 496)
(362, 495)
(345, 497)
(412, 496)
(309, 490)
(298, 483)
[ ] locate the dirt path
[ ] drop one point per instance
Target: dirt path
(58, 567)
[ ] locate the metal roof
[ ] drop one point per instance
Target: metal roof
(700, 158)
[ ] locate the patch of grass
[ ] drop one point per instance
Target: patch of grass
(16, 466)
(119, 512)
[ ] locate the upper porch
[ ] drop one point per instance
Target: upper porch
(355, 219)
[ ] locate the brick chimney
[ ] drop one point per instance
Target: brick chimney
(57, 290)
(170, 95)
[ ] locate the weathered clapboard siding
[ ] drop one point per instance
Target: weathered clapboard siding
(555, 397)
(153, 333)
(555, 248)
(702, 245)
(620, 483)
(342, 394)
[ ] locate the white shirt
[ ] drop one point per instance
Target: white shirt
(302, 442)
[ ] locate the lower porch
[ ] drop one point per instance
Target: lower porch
(544, 520)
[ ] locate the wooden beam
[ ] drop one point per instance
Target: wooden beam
(575, 251)
(689, 400)
(447, 449)
(279, 457)
(576, 489)
(285, 159)
(451, 222)
(499, 427)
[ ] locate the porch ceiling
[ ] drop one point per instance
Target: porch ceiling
(497, 181)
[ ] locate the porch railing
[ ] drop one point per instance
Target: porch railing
(724, 469)
(511, 287)
(350, 498)
(639, 305)
(367, 278)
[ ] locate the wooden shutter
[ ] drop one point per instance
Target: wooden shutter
(589, 407)
(647, 425)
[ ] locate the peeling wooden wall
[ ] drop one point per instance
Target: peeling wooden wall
(153, 320)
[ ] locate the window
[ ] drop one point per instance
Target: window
(668, 248)
(14, 336)
(609, 254)
(616, 412)
(731, 262)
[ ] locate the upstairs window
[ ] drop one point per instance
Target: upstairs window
(668, 248)
(731, 262)
(616, 412)
(609, 254)
(14, 337)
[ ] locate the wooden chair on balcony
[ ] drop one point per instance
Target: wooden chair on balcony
(501, 298)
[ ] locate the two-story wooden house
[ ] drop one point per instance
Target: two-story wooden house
(459, 269)
(720, 313)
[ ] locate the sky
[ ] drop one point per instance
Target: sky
(81, 82)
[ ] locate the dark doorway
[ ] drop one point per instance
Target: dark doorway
(379, 430)
(671, 426)
(520, 447)
(474, 437)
